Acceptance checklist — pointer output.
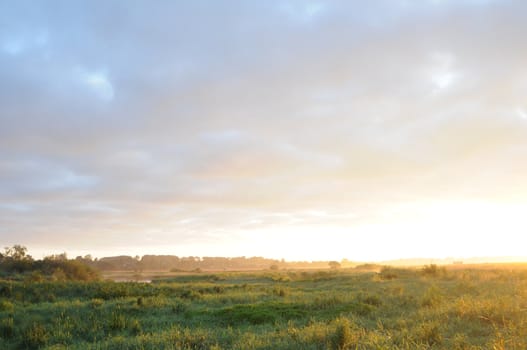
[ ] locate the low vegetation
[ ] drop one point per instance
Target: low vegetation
(16, 264)
(345, 308)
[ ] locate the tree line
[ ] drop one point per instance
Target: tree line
(15, 263)
(194, 263)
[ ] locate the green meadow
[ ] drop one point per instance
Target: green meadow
(428, 308)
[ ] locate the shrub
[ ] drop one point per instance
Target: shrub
(361, 309)
(368, 267)
(197, 338)
(35, 276)
(280, 291)
(179, 308)
(218, 289)
(251, 314)
(117, 321)
(432, 297)
(7, 328)
(36, 336)
(373, 300)
(459, 342)
(190, 294)
(96, 302)
(135, 326)
(430, 333)
(6, 290)
(334, 265)
(260, 313)
(58, 275)
(6, 305)
(433, 270)
(344, 337)
(388, 273)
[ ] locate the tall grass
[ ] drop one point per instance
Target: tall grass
(346, 309)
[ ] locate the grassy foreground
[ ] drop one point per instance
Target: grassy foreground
(395, 309)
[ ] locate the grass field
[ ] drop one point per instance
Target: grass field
(430, 308)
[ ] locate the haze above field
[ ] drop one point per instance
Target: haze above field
(305, 130)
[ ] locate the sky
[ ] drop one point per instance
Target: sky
(304, 130)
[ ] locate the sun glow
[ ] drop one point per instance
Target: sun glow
(433, 230)
(442, 229)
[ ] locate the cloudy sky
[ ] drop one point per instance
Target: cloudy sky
(299, 129)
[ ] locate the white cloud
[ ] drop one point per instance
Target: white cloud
(521, 113)
(16, 207)
(223, 136)
(303, 11)
(100, 84)
(67, 179)
(441, 72)
(13, 46)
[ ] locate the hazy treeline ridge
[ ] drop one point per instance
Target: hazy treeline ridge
(191, 263)
(16, 261)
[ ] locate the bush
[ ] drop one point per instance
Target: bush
(179, 308)
(35, 276)
(15, 261)
(373, 300)
(7, 327)
(191, 294)
(280, 291)
(430, 333)
(96, 302)
(388, 273)
(256, 314)
(344, 337)
(6, 305)
(117, 321)
(36, 336)
(432, 297)
(433, 270)
(135, 326)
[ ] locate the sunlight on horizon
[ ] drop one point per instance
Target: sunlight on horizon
(435, 230)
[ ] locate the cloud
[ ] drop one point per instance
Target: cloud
(99, 84)
(303, 11)
(20, 43)
(188, 123)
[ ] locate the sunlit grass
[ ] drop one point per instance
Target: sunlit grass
(430, 308)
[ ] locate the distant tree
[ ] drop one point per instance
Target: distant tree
(346, 263)
(57, 257)
(433, 270)
(15, 259)
(17, 253)
(334, 265)
(16, 263)
(63, 269)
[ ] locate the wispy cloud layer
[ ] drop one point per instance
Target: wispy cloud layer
(194, 126)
